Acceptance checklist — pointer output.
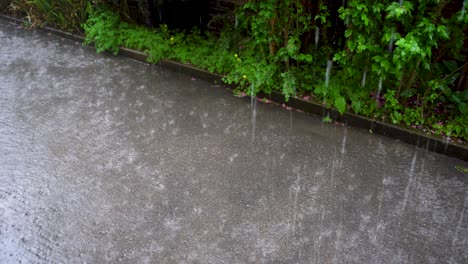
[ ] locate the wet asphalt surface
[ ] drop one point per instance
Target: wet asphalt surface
(105, 159)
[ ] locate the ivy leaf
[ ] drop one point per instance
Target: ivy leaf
(365, 19)
(396, 117)
(385, 64)
(348, 33)
(376, 8)
(463, 107)
(450, 65)
(351, 45)
(442, 30)
(305, 57)
(408, 93)
(340, 104)
(456, 99)
(463, 95)
(361, 7)
(356, 106)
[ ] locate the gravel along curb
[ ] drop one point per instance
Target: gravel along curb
(413, 137)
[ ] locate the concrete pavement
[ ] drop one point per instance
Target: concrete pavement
(105, 159)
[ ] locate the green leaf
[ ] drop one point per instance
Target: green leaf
(396, 117)
(340, 104)
(305, 57)
(442, 30)
(455, 98)
(463, 95)
(408, 93)
(356, 106)
(365, 19)
(450, 65)
(348, 33)
(463, 107)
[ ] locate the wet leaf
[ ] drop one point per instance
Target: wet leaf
(408, 93)
(340, 104)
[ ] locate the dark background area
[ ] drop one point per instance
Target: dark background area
(181, 14)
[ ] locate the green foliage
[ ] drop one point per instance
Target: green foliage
(404, 45)
(461, 169)
(103, 28)
(107, 31)
(250, 72)
(396, 62)
(327, 119)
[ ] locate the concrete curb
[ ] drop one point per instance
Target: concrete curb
(413, 137)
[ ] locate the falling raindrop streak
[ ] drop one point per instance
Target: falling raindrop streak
(463, 9)
(364, 76)
(446, 143)
(290, 120)
(252, 97)
(392, 39)
(410, 181)
(296, 189)
(327, 73)
(380, 206)
(343, 145)
(317, 35)
(317, 255)
(253, 106)
(459, 225)
(379, 89)
(333, 169)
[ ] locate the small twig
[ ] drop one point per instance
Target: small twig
(464, 64)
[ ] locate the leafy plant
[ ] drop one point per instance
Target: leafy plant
(327, 119)
(63, 14)
(461, 169)
(104, 29)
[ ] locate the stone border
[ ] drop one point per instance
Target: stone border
(413, 137)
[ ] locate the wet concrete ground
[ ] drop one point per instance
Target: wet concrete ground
(106, 159)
